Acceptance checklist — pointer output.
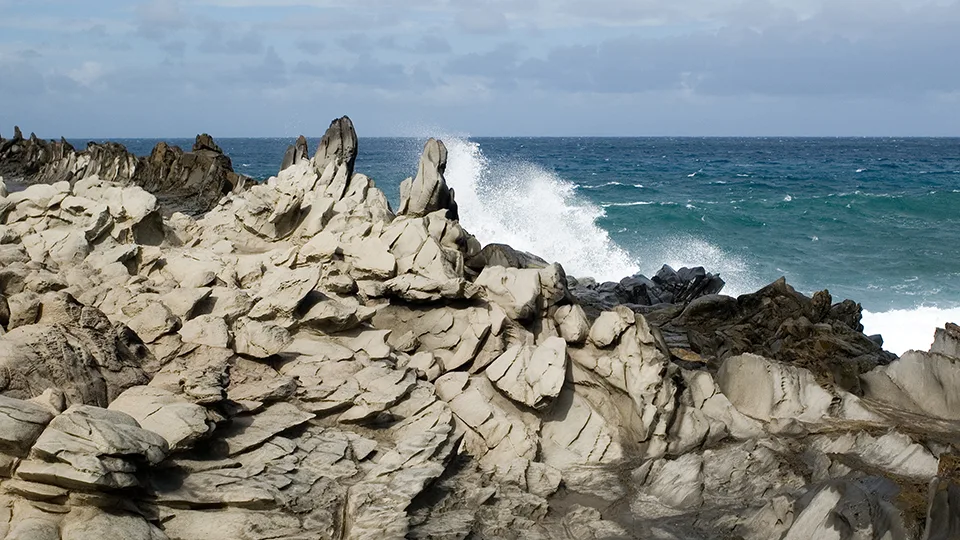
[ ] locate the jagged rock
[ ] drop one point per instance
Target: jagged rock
(21, 423)
(946, 341)
(506, 256)
(428, 191)
(91, 360)
(293, 330)
(259, 340)
(781, 324)
(766, 390)
(532, 376)
(254, 382)
(180, 422)
(498, 432)
(199, 374)
(861, 507)
(919, 382)
(88, 447)
(249, 430)
(295, 153)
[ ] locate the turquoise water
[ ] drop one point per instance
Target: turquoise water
(876, 220)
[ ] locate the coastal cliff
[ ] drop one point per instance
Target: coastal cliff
(295, 359)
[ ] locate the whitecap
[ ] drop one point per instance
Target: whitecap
(861, 170)
(634, 203)
(788, 198)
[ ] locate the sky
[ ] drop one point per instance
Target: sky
(248, 68)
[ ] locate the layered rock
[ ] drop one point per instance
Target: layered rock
(300, 362)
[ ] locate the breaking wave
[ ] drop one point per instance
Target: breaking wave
(908, 329)
(532, 209)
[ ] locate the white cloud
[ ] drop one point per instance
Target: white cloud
(88, 73)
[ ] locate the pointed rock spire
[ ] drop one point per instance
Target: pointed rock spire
(428, 192)
(295, 153)
(339, 145)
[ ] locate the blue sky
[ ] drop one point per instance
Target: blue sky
(166, 68)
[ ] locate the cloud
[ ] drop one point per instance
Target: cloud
(309, 46)
(218, 41)
(156, 19)
(482, 21)
(497, 64)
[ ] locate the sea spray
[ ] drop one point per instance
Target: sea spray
(532, 209)
(529, 208)
(908, 329)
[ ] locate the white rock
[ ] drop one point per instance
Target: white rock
(531, 376)
(516, 290)
(174, 418)
(924, 383)
(610, 325)
(209, 330)
(259, 339)
(768, 390)
(572, 323)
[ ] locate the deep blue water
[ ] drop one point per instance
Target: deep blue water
(876, 219)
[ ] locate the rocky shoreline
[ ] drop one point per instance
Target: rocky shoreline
(184, 355)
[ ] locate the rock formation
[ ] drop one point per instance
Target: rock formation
(190, 182)
(300, 362)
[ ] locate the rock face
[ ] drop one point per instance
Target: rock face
(190, 182)
(299, 362)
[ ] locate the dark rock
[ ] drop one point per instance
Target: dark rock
(23, 158)
(668, 286)
(338, 145)
(190, 182)
(506, 256)
(779, 323)
(205, 142)
(295, 153)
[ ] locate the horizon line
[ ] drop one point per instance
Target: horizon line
(415, 137)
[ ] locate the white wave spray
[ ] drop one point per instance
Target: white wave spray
(534, 210)
(908, 329)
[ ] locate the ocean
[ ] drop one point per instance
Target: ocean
(876, 220)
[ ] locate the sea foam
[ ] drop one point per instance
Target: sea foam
(908, 329)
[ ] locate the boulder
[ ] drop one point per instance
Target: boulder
(180, 422)
(532, 376)
(88, 447)
(21, 423)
